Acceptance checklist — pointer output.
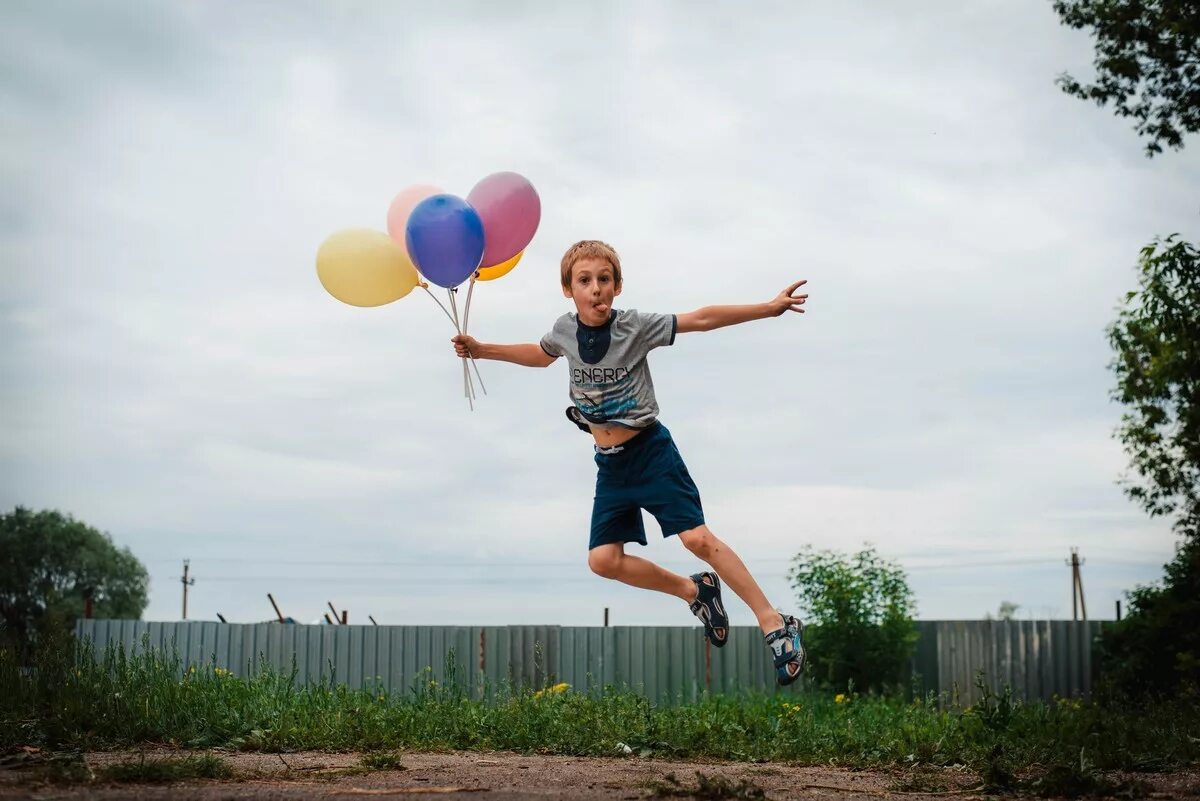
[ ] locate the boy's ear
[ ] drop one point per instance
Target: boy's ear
(617, 291)
(567, 292)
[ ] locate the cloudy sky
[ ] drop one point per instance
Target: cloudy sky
(174, 373)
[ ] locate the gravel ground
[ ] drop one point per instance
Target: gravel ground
(484, 775)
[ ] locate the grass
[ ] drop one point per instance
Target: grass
(78, 701)
(381, 760)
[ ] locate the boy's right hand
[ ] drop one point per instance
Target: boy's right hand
(465, 345)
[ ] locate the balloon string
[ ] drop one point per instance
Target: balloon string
(466, 317)
(439, 303)
(466, 373)
(456, 328)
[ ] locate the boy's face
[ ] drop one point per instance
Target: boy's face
(593, 290)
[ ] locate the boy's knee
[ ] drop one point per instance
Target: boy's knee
(605, 561)
(700, 541)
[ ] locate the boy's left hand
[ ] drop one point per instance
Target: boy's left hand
(788, 299)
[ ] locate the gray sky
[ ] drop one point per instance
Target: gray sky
(176, 375)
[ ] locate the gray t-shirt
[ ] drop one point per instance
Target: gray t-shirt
(610, 379)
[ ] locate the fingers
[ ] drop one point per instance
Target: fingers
(792, 289)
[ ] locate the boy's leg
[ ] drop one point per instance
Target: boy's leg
(611, 561)
(704, 544)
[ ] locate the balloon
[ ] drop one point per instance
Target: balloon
(497, 270)
(402, 206)
(445, 239)
(510, 209)
(365, 268)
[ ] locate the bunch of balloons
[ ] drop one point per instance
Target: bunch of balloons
(440, 238)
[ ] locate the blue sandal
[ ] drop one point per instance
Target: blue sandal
(787, 646)
(709, 609)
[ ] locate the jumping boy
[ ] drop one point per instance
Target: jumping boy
(639, 466)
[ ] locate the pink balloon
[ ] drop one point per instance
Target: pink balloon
(511, 210)
(402, 206)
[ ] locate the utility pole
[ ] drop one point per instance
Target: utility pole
(1077, 603)
(186, 583)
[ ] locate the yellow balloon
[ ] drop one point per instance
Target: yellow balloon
(365, 268)
(497, 270)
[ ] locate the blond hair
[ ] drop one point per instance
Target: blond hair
(590, 249)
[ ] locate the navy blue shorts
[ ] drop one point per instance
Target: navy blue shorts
(647, 473)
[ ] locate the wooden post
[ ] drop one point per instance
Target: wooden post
(221, 618)
(278, 614)
(327, 620)
(707, 665)
(345, 617)
(1118, 609)
(87, 604)
(372, 619)
(606, 617)
(331, 609)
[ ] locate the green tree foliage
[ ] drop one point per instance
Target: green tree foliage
(1156, 648)
(1157, 365)
(859, 612)
(1147, 63)
(51, 562)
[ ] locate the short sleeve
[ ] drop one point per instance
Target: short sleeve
(655, 330)
(553, 342)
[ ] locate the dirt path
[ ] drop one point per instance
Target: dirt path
(495, 776)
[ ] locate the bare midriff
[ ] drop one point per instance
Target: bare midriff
(611, 436)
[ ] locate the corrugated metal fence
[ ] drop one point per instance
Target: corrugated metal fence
(1037, 658)
(663, 662)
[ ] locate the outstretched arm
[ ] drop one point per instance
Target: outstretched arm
(530, 355)
(711, 317)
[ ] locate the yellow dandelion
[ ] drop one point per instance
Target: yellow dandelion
(840, 698)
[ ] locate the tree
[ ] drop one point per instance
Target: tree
(1157, 365)
(1147, 63)
(1007, 611)
(1156, 648)
(51, 561)
(859, 613)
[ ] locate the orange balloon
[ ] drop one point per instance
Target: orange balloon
(497, 270)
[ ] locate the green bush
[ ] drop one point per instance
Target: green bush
(1155, 650)
(859, 608)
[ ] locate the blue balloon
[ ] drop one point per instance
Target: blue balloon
(445, 239)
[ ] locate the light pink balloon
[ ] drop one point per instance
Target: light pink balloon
(511, 210)
(402, 206)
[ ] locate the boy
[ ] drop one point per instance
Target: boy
(638, 465)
